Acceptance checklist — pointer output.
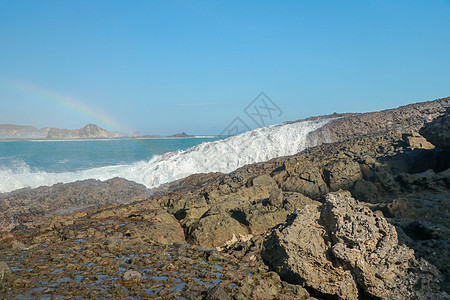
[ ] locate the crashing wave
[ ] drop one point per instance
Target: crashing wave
(226, 155)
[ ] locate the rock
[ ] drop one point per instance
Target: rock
(33, 205)
(438, 131)
(4, 270)
(342, 174)
(17, 245)
(407, 119)
(217, 293)
(298, 252)
(342, 248)
(365, 190)
(131, 276)
(215, 228)
(276, 198)
(305, 179)
(263, 214)
(265, 181)
(416, 141)
(427, 180)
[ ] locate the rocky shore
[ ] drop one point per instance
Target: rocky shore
(363, 215)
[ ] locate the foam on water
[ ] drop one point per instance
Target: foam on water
(219, 156)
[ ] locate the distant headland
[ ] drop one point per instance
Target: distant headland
(90, 131)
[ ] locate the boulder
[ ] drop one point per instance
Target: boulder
(343, 249)
(438, 131)
(215, 228)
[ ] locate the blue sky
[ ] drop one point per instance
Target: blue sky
(168, 66)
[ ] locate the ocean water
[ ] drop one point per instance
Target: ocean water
(151, 162)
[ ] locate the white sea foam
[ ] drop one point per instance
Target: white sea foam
(219, 156)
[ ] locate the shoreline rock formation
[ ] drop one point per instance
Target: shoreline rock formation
(238, 235)
(342, 248)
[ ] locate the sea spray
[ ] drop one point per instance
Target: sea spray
(219, 156)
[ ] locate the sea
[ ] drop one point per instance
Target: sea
(152, 162)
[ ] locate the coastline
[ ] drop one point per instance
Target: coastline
(385, 175)
(112, 138)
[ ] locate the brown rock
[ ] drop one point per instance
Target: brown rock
(215, 228)
(217, 293)
(438, 131)
(342, 174)
(416, 141)
(132, 276)
(343, 247)
(276, 198)
(306, 179)
(4, 270)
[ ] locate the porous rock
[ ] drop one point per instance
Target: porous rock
(344, 249)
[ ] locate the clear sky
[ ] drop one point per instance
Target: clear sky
(169, 66)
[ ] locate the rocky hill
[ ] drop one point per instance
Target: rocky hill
(181, 135)
(9, 131)
(363, 215)
(90, 131)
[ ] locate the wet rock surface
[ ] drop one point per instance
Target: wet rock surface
(138, 269)
(27, 206)
(205, 237)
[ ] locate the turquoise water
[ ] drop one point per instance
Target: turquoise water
(77, 155)
(151, 162)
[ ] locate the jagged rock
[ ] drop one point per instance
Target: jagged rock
(438, 131)
(298, 252)
(342, 248)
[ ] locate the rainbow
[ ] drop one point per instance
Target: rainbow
(97, 116)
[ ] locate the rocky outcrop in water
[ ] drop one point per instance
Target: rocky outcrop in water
(90, 131)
